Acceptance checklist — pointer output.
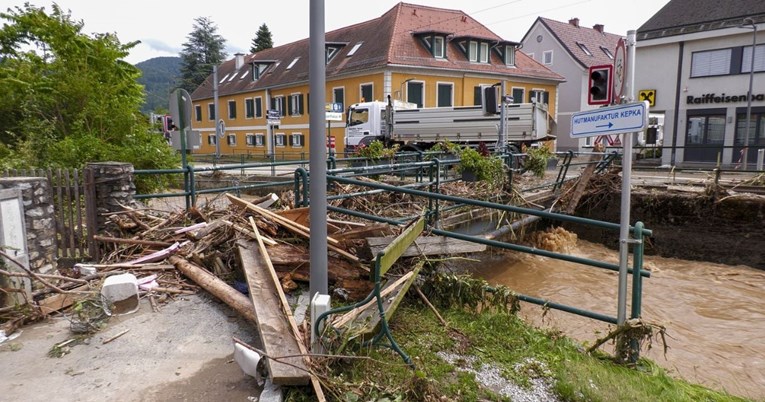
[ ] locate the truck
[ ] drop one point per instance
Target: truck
(417, 129)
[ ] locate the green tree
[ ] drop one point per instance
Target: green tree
(69, 98)
(263, 40)
(203, 50)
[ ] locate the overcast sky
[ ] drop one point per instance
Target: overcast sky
(162, 26)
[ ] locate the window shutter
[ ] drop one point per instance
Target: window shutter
(477, 95)
(309, 102)
(292, 138)
(290, 111)
(300, 104)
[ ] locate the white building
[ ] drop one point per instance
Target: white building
(693, 60)
(569, 50)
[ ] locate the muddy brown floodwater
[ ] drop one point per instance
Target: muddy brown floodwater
(714, 314)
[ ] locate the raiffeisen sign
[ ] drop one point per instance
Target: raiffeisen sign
(722, 98)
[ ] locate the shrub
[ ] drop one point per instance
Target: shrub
(376, 150)
(485, 168)
(536, 160)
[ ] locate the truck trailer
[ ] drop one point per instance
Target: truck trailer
(417, 129)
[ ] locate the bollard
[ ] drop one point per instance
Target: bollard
(760, 158)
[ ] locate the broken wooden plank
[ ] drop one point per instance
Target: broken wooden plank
(396, 248)
(346, 318)
(290, 225)
(297, 215)
(428, 245)
(301, 342)
(60, 301)
(149, 243)
(273, 325)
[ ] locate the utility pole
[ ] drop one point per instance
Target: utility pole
(215, 109)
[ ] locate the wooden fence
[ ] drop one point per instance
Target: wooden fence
(70, 208)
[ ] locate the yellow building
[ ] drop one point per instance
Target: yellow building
(424, 55)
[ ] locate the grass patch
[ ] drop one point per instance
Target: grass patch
(497, 339)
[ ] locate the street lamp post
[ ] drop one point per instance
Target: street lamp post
(746, 22)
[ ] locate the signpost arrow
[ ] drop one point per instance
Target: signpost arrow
(619, 119)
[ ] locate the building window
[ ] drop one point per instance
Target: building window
(538, 95)
(295, 60)
(584, 48)
(249, 108)
(258, 107)
(415, 93)
(249, 139)
(607, 52)
(473, 51)
(354, 49)
(705, 132)
(713, 62)
(260, 140)
(231, 139)
(279, 139)
(484, 53)
(509, 55)
(756, 126)
(210, 111)
(518, 95)
(277, 103)
(198, 112)
(759, 59)
(296, 140)
(295, 107)
(439, 50)
(338, 96)
(445, 94)
(367, 92)
(547, 57)
(331, 52)
(232, 109)
(212, 139)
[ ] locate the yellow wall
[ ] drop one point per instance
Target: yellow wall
(463, 93)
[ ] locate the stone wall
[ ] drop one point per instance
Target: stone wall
(114, 188)
(38, 219)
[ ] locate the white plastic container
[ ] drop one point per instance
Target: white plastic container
(122, 292)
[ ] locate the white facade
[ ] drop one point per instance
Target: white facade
(701, 81)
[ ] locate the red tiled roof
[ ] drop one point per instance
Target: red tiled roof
(569, 35)
(388, 40)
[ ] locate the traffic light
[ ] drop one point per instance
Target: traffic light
(489, 100)
(601, 78)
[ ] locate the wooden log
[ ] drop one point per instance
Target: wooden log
(584, 179)
(59, 301)
(216, 287)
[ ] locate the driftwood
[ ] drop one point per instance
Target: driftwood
(139, 242)
(216, 287)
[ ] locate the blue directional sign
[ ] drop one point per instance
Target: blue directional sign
(619, 119)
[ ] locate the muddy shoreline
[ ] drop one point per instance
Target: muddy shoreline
(693, 226)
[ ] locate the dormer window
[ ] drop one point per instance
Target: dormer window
(439, 50)
(331, 49)
(484, 54)
(434, 42)
(473, 51)
(509, 56)
(330, 53)
(259, 68)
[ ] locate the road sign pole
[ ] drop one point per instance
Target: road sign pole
(624, 225)
(215, 109)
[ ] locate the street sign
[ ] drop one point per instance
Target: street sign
(648, 95)
(619, 119)
(274, 117)
(333, 116)
(334, 107)
(180, 100)
(221, 128)
(620, 70)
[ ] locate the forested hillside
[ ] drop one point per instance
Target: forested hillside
(160, 75)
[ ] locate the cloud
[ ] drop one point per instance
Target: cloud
(160, 46)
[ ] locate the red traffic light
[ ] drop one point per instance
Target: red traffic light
(600, 84)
